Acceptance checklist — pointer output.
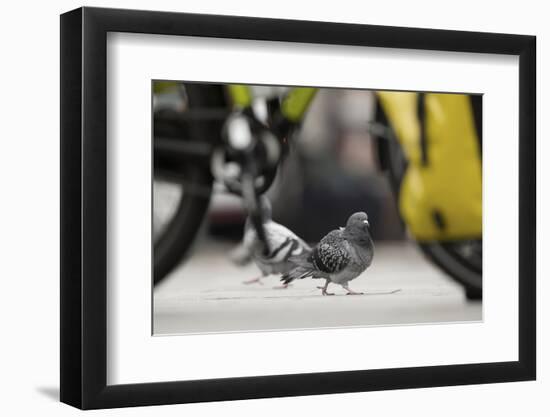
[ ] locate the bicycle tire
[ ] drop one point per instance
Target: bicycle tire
(174, 242)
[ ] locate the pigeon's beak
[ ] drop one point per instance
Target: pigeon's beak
(366, 222)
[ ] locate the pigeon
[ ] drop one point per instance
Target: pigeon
(341, 256)
(282, 243)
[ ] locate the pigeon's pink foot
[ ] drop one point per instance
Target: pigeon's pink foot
(281, 287)
(324, 289)
(350, 291)
(253, 281)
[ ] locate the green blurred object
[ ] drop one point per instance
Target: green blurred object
(160, 87)
(296, 103)
(241, 95)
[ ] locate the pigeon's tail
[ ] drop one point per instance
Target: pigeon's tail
(301, 259)
(300, 272)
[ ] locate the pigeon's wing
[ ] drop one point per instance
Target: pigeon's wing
(331, 254)
(283, 243)
(278, 233)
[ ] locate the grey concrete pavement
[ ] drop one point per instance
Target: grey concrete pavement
(207, 294)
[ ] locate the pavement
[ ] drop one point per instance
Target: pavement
(206, 294)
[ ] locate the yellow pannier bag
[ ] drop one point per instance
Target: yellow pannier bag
(441, 192)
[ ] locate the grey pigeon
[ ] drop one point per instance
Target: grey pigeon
(341, 256)
(282, 244)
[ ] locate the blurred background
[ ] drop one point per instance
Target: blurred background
(335, 166)
(330, 173)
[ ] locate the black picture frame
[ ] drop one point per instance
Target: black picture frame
(84, 209)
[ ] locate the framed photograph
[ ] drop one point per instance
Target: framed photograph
(257, 208)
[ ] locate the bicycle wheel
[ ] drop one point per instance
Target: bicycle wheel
(460, 259)
(182, 185)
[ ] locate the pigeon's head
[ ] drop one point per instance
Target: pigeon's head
(358, 227)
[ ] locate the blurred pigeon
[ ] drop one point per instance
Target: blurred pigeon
(282, 244)
(339, 257)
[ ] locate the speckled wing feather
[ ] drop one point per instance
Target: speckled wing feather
(331, 254)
